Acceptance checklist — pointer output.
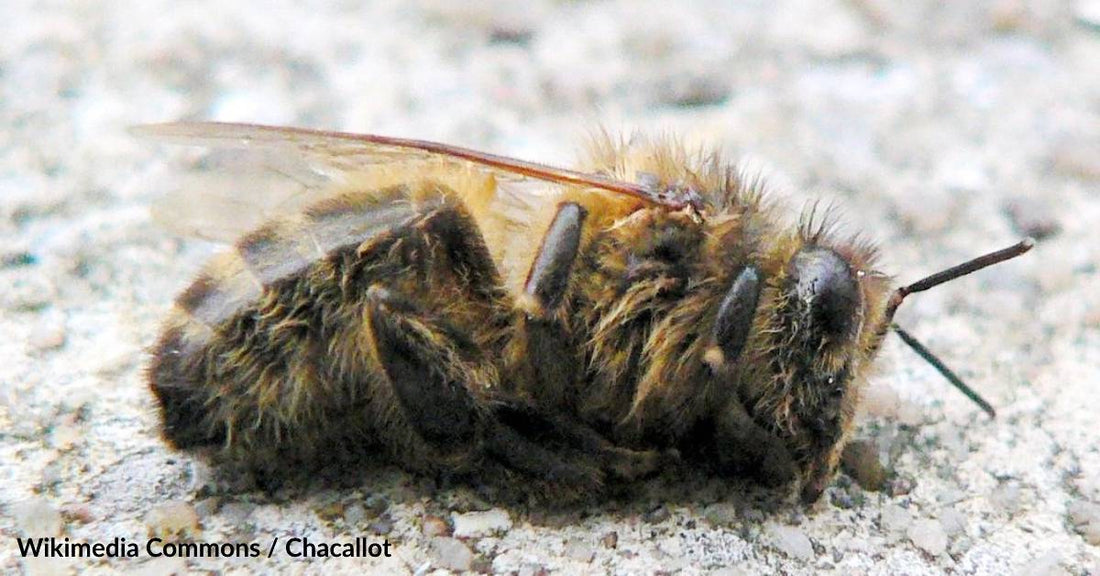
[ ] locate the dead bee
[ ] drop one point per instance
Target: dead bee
(463, 310)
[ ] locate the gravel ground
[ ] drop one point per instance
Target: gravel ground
(941, 131)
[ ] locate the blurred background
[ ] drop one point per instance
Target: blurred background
(941, 130)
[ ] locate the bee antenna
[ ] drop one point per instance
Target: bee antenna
(954, 272)
(942, 368)
(936, 279)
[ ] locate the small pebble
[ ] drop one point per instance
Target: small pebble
(610, 540)
(1086, 519)
(1089, 484)
(1091, 533)
(899, 487)
(236, 513)
(928, 535)
(690, 91)
(450, 553)
(47, 336)
(37, 518)
(376, 505)
(382, 526)
(354, 514)
(79, 513)
(579, 550)
(750, 515)
(860, 461)
(895, 518)
(1007, 16)
(842, 497)
(1006, 497)
(208, 507)
(331, 511)
(953, 522)
(28, 294)
(1084, 512)
(64, 436)
(791, 541)
(434, 526)
(509, 35)
(480, 524)
(172, 519)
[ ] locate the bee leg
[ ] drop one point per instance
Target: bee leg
(515, 450)
(424, 365)
(623, 463)
(549, 275)
(734, 321)
(549, 353)
(433, 368)
(619, 462)
(742, 447)
(465, 248)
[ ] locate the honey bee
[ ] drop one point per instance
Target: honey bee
(462, 312)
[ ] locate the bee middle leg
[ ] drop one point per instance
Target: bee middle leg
(433, 369)
(550, 357)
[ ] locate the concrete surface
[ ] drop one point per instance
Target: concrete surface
(942, 131)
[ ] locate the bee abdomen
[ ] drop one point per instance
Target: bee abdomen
(177, 375)
(285, 247)
(212, 371)
(175, 378)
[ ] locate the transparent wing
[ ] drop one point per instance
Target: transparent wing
(226, 193)
(256, 172)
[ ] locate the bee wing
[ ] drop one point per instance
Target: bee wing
(285, 169)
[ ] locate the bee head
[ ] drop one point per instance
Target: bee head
(821, 313)
(806, 313)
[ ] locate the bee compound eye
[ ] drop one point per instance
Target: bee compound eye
(825, 284)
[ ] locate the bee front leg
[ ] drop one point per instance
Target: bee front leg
(742, 447)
